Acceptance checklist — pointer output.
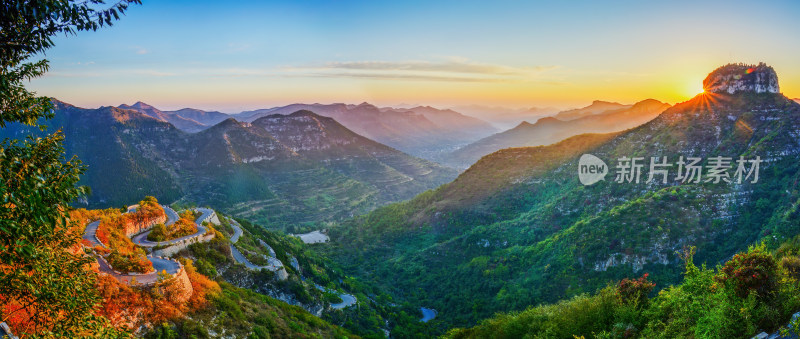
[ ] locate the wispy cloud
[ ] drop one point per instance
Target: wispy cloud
(392, 76)
(445, 70)
(142, 51)
(110, 73)
(451, 69)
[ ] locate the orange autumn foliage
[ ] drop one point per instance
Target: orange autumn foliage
(82, 216)
(182, 227)
(129, 308)
(115, 230)
(203, 286)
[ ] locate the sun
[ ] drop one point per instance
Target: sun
(694, 89)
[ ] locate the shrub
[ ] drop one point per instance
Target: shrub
(754, 271)
(635, 291)
(159, 233)
(792, 266)
(129, 262)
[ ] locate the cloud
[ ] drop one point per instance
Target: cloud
(451, 69)
(391, 76)
(142, 51)
(443, 70)
(110, 73)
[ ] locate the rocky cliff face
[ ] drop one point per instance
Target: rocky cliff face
(142, 223)
(733, 78)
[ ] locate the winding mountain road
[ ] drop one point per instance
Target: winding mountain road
(90, 234)
(347, 299)
(159, 264)
(274, 263)
(141, 238)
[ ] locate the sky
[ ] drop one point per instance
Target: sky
(239, 55)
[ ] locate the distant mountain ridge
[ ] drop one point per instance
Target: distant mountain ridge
(422, 131)
(187, 119)
(549, 130)
(597, 107)
(293, 171)
(505, 118)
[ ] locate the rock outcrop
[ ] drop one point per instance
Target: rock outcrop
(142, 224)
(734, 78)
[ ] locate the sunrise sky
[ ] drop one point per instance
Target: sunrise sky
(239, 55)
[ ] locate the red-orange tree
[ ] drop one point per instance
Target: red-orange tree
(182, 227)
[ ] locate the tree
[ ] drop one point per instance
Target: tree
(45, 286)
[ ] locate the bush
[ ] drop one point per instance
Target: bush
(159, 233)
(754, 271)
(129, 262)
(792, 266)
(635, 291)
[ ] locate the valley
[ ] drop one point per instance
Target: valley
(306, 173)
(393, 170)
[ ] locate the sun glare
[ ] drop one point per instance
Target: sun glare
(695, 89)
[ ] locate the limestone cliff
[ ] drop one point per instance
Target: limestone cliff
(733, 78)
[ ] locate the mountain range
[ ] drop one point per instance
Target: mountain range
(421, 131)
(503, 117)
(518, 228)
(295, 170)
(187, 119)
(599, 117)
(597, 107)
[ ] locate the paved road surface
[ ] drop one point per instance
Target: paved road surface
(158, 264)
(274, 265)
(172, 216)
(141, 239)
(91, 232)
(240, 258)
(237, 230)
(347, 299)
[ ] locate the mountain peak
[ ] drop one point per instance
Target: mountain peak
(304, 112)
(740, 77)
(648, 103)
(227, 123)
(548, 121)
(603, 102)
(142, 105)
